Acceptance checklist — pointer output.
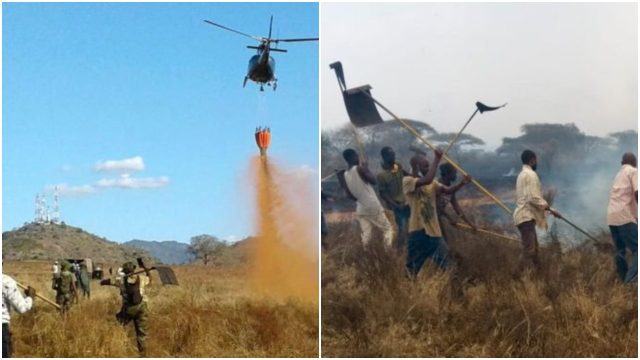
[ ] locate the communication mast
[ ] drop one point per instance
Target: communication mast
(45, 209)
(42, 213)
(37, 209)
(41, 209)
(55, 217)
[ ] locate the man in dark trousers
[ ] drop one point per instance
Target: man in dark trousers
(425, 236)
(622, 217)
(12, 298)
(530, 210)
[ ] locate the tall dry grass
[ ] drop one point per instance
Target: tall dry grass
(574, 308)
(211, 314)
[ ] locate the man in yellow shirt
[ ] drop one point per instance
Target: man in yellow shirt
(530, 209)
(390, 189)
(421, 191)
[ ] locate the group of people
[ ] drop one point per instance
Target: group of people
(67, 279)
(417, 200)
(130, 283)
(419, 203)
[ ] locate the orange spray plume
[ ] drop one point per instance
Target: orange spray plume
(263, 139)
(284, 259)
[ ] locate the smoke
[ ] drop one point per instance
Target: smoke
(579, 166)
(284, 259)
(583, 194)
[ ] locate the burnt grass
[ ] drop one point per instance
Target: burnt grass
(482, 306)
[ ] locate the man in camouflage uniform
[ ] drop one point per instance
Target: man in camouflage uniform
(64, 283)
(84, 280)
(134, 301)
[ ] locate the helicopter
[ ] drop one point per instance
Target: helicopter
(262, 66)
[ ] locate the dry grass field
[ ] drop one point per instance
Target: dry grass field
(574, 308)
(212, 313)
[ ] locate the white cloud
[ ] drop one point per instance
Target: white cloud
(125, 181)
(231, 238)
(123, 166)
(72, 191)
(303, 172)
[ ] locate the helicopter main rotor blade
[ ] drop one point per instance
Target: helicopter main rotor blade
(270, 49)
(294, 40)
(270, 24)
(235, 31)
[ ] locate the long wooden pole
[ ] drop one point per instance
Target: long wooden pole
(50, 302)
(578, 228)
(330, 175)
(444, 156)
(363, 157)
(468, 228)
(459, 132)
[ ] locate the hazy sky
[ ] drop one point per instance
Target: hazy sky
(138, 110)
(557, 63)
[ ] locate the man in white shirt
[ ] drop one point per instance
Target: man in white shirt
(622, 217)
(56, 268)
(12, 299)
(358, 181)
(530, 209)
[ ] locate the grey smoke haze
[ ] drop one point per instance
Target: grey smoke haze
(580, 167)
(553, 63)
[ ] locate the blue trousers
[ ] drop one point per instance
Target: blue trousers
(626, 237)
(420, 247)
(402, 221)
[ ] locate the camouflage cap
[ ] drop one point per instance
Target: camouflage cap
(65, 265)
(128, 267)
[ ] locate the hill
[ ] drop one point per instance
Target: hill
(240, 250)
(168, 252)
(51, 241)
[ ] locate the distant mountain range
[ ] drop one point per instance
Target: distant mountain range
(168, 252)
(175, 253)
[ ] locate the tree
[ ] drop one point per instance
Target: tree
(206, 247)
(626, 140)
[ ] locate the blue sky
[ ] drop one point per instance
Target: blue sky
(86, 86)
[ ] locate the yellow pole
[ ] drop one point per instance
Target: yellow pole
(468, 228)
(50, 302)
(360, 147)
(444, 156)
(328, 176)
(459, 132)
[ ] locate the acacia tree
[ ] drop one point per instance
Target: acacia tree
(206, 247)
